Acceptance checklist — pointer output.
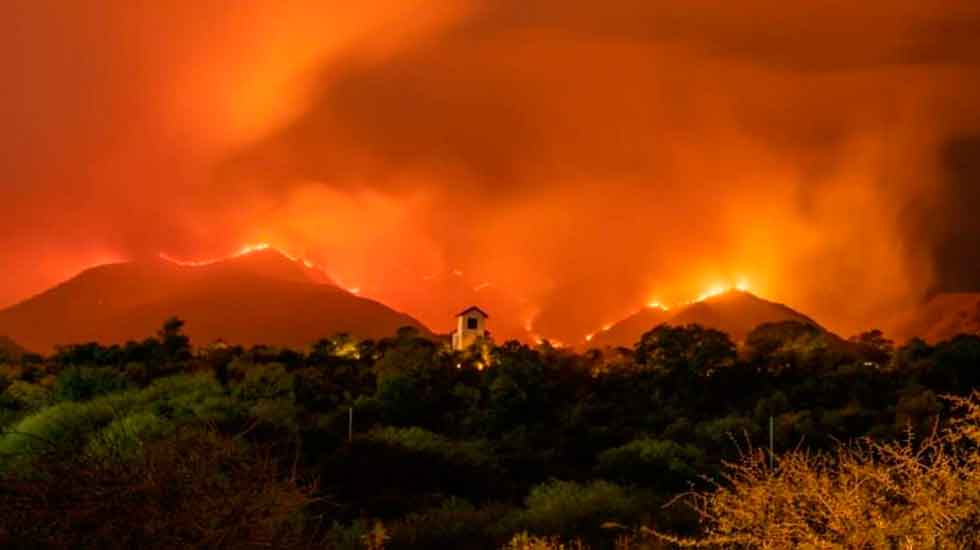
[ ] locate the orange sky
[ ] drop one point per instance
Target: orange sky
(562, 163)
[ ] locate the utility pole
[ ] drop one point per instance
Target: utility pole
(350, 425)
(772, 438)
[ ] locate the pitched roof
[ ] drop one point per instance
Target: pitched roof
(472, 308)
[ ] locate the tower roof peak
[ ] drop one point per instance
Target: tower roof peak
(472, 309)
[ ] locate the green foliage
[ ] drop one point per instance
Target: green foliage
(349, 537)
(789, 344)
(565, 507)
(917, 411)
(399, 395)
(418, 440)
(83, 383)
(25, 396)
(723, 431)
(194, 489)
(175, 346)
(692, 349)
(62, 426)
(657, 463)
(124, 437)
(77, 425)
(269, 381)
(489, 435)
(455, 523)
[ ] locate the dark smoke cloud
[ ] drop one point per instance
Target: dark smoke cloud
(955, 222)
(582, 158)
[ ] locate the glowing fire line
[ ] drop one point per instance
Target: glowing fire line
(742, 286)
(251, 249)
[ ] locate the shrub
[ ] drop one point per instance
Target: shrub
(359, 535)
(719, 432)
(524, 541)
(124, 437)
(454, 524)
(418, 440)
(61, 426)
(26, 396)
(277, 413)
(567, 507)
(72, 424)
(84, 383)
(270, 381)
(651, 462)
(864, 495)
(196, 489)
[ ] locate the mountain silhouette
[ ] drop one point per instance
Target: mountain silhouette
(263, 297)
(942, 317)
(10, 350)
(734, 312)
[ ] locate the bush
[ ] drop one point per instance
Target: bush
(650, 462)
(84, 383)
(567, 507)
(864, 495)
(524, 541)
(270, 381)
(123, 438)
(475, 453)
(454, 524)
(720, 432)
(194, 490)
(26, 396)
(72, 425)
(59, 427)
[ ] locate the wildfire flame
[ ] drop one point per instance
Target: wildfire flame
(742, 285)
(251, 249)
(711, 292)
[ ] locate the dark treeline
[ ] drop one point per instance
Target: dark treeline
(158, 444)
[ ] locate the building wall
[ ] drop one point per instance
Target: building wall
(465, 337)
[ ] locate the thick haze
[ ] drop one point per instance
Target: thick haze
(583, 158)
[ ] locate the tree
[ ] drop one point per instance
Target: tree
(789, 344)
(874, 346)
(175, 345)
(692, 349)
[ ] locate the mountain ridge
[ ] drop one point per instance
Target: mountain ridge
(259, 297)
(734, 312)
(941, 317)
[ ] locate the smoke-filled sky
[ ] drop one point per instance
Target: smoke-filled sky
(569, 160)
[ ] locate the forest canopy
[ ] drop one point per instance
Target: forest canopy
(403, 442)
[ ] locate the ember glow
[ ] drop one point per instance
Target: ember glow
(582, 157)
(259, 247)
(244, 251)
(717, 289)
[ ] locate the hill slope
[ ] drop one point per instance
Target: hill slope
(261, 297)
(628, 331)
(734, 312)
(10, 350)
(942, 317)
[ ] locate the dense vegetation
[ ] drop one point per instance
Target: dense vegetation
(156, 444)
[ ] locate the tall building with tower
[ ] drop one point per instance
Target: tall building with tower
(471, 327)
